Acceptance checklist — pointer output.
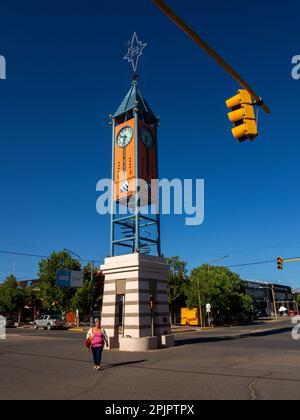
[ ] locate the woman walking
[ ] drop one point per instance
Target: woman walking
(97, 338)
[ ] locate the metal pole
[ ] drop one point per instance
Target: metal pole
(112, 210)
(275, 309)
(137, 218)
(200, 304)
(79, 258)
(157, 197)
(92, 294)
(123, 315)
(210, 51)
(73, 253)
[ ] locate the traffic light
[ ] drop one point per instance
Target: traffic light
(280, 263)
(242, 115)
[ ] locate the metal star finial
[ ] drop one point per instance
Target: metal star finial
(135, 52)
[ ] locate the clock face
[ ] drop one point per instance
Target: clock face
(147, 137)
(124, 137)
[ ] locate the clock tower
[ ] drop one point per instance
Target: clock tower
(134, 151)
(135, 311)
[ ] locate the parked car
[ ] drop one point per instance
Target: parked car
(10, 323)
(49, 322)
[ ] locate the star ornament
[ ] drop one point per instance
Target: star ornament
(135, 52)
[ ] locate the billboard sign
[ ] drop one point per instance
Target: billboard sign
(69, 279)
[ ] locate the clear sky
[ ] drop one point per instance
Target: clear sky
(65, 75)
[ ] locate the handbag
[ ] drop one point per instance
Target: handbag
(88, 343)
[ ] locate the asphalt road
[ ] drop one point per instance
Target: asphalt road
(247, 363)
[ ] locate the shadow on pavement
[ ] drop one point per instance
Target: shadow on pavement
(183, 342)
(114, 365)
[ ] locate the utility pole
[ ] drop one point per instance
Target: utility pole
(273, 298)
(273, 295)
(80, 260)
(200, 304)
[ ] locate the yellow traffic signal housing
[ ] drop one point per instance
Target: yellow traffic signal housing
(280, 263)
(242, 116)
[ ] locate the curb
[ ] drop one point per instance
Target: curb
(183, 331)
(77, 330)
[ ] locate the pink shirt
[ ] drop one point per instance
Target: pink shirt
(97, 340)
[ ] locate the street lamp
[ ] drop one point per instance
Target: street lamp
(79, 258)
(273, 297)
(73, 253)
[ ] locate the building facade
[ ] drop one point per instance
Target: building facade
(263, 295)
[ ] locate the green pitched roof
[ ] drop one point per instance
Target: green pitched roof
(134, 98)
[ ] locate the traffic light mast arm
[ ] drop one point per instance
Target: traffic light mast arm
(210, 51)
(290, 260)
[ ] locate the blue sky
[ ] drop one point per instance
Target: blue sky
(65, 75)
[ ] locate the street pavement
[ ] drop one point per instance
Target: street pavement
(240, 363)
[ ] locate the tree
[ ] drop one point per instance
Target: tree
(220, 287)
(81, 301)
(90, 295)
(177, 283)
(30, 297)
(298, 299)
(9, 296)
(56, 298)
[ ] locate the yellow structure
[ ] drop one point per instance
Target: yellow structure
(242, 115)
(190, 316)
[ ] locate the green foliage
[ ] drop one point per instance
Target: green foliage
(10, 295)
(29, 297)
(56, 299)
(220, 287)
(82, 300)
(177, 283)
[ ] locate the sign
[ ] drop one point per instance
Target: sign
(69, 279)
(77, 279)
(208, 308)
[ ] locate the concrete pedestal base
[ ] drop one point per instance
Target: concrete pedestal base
(145, 343)
(138, 344)
(135, 301)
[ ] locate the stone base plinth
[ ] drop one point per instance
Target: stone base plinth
(138, 344)
(135, 302)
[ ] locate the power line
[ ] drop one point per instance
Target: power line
(245, 264)
(252, 263)
(245, 250)
(24, 254)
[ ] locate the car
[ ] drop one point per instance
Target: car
(10, 323)
(49, 322)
